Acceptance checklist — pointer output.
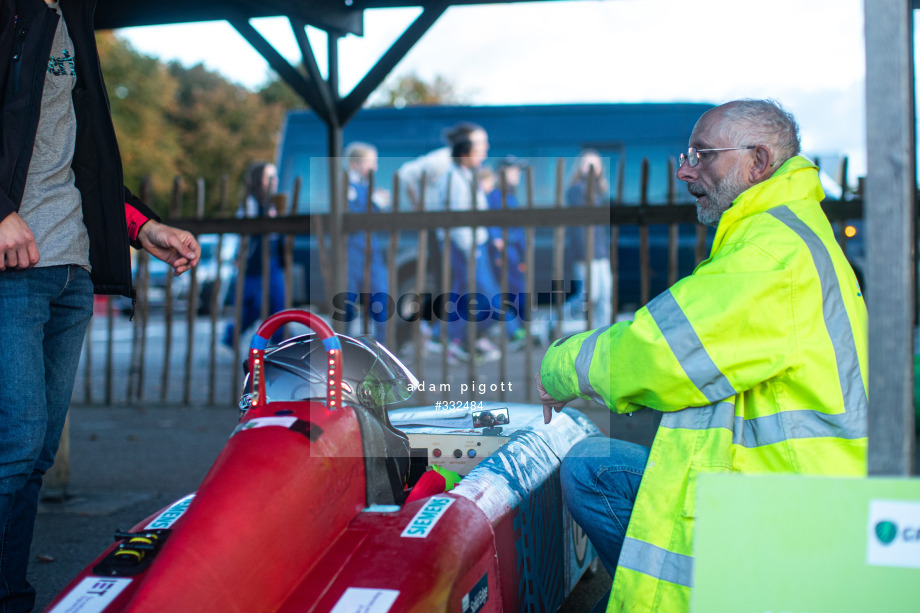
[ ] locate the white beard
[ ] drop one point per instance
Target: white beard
(720, 198)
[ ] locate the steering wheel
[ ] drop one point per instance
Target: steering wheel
(325, 334)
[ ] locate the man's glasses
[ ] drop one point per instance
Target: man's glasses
(692, 157)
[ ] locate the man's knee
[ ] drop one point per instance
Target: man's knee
(580, 464)
(591, 457)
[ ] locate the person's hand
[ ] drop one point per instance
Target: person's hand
(381, 198)
(17, 244)
(499, 243)
(177, 248)
(549, 403)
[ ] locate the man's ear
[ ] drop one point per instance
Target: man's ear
(763, 166)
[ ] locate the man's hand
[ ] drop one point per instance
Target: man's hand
(177, 248)
(549, 403)
(17, 244)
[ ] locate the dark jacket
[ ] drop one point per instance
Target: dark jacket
(25, 45)
(253, 208)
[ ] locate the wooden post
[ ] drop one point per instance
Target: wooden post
(589, 281)
(644, 258)
(558, 254)
(673, 229)
(191, 313)
(392, 278)
(615, 242)
(215, 305)
(530, 233)
(139, 331)
(503, 283)
(175, 211)
(421, 274)
(445, 286)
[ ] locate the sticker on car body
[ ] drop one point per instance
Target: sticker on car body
(92, 594)
(426, 518)
(476, 599)
(171, 514)
(365, 600)
(257, 423)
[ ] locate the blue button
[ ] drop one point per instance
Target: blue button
(471, 453)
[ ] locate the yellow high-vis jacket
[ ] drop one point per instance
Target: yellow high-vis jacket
(759, 359)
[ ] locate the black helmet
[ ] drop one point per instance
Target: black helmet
(372, 377)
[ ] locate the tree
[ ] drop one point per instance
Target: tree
(223, 128)
(171, 120)
(410, 90)
(276, 91)
(141, 96)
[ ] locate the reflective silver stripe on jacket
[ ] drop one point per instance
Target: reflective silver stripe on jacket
(835, 315)
(766, 430)
(720, 415)
(688, 348)
(583, 365)
(657, 562)
(791, 424)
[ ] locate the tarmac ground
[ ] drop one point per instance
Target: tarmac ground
(125, 464)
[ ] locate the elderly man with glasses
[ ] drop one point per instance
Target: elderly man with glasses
(757, 360)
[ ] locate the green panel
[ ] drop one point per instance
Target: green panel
(796, 543)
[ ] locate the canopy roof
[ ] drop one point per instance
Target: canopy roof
(337, 17)
(341, 16)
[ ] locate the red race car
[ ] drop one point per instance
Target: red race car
(327, 499)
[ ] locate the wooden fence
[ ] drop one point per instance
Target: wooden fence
(185, 365)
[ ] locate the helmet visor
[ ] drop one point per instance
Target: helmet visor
(388, 381)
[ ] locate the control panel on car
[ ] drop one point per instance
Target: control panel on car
(455, 440)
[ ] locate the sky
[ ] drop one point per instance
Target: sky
(807, 54)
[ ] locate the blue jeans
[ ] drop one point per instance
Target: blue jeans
(486, 285)
(45, 312)
(600, 480)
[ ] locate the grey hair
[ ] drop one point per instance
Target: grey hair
(358, 151)
(761, 122)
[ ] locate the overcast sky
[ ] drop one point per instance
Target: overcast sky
(808, 54)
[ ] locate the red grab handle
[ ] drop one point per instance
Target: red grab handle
(324, 333)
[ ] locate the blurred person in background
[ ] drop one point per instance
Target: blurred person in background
(589, 168)
(459, 190)
(424, 172)
(261, 184)
(508, 168)
(362, 163)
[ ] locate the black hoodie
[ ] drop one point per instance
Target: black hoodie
(25, 45)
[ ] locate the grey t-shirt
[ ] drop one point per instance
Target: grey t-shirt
(51, 204)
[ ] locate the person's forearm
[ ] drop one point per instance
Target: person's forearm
(135, 219)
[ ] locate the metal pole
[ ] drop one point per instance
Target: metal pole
(890, 190)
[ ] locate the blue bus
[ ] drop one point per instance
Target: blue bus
(539, 133)
(623, 134)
